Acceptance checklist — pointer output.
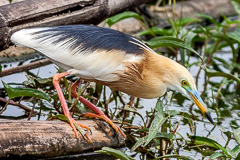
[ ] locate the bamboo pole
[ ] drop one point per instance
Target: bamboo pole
(44, 139)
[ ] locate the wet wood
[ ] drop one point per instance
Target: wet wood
(42, 139)
(57, 12)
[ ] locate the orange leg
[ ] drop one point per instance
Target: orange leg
(99, 114)
(56, 79)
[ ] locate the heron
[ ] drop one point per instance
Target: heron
(108, 57)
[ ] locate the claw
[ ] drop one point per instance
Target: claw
(77, 126)
(104, 117)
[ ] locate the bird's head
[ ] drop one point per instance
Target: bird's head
(185, 84)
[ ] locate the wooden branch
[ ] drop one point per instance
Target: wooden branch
(26, 67)
(16, 104)
(57, 12)
(42, 139)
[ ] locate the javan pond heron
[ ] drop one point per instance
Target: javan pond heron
(111, 58)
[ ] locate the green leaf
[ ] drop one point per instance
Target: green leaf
(223, 61)
(236, 149)
(115, 153)
(236, 6)
(236, 133)
(170, 42)
(160, 38)
(175, 156)
(211, 73)
(157, 122)
(156, 31)
(209, 142)
(216, 155)
(224, 37)
(60, 117)
(165, 135)
(19, 92)
(128, 14)
(172, 112)
(138, 143)
(211, 19)
(44, 81)
(233, 152)
(186, 20)
(235, 35)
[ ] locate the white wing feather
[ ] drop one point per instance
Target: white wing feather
(100, 64)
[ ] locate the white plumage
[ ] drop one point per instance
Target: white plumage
(100, 64)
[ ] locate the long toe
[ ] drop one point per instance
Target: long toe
(78, 127)
(105, 118)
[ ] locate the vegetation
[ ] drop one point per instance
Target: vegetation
(171, 129)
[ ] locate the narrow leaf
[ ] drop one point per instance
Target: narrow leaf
(211, 19)
(165, 135)
(235, 35)
(19, 92)
(114, 19)
(236, 6)
(236, 133)
(157, 123)
(186, 20)
(156, 31)
(175, 156)
(60, 117)
(211, 73)
(216, 155)
(138, 143)
(206, 141)
(157, 42)
(115, 153)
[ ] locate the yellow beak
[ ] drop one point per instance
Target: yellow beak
(199, 102)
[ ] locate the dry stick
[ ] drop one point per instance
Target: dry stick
(178, 123)
(120, 98)
(107, 103)
(213, 51)
(4, 108)
(16, 104)
(26, 67)
(30, 115)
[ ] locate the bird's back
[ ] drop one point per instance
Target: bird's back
(91, 52)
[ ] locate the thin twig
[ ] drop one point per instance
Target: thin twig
(30, 115)
(120, 98)
(4, 108)
(178, 123)
(16, 104)
(107, 103)
(26, 67)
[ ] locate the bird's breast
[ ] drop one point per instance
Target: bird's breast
(138, 80)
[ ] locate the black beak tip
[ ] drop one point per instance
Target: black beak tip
(209, 117)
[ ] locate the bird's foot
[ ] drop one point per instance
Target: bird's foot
(104, 117)
(81, 128)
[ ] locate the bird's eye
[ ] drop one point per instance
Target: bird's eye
(184, 82)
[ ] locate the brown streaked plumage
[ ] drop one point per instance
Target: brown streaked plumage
(111, 58)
